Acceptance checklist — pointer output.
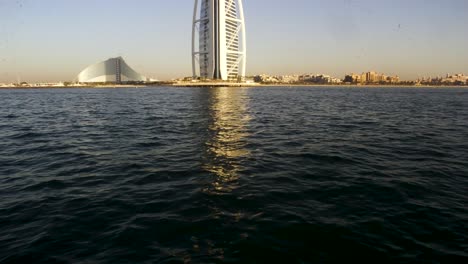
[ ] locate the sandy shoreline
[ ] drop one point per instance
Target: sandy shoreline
(207, 85)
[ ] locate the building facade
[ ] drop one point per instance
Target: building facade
(219, 40)
(114, 70)
(370, 78)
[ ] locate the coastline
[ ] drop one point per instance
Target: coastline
(364, 86)
(239, 85)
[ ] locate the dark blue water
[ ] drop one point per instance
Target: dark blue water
(262, 175)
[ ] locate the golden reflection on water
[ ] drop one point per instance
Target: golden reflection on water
(225, 148)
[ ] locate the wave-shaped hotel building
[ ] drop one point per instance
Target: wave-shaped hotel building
(114, 70)
(219, 40)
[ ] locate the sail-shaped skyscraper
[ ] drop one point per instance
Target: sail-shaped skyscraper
(219, 40)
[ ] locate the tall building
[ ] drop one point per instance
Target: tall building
(113, 70)
(219, 40)
(371, 77)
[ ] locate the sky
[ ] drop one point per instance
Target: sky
(53, 40)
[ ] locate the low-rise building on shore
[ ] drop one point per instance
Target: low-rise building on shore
(451, 80)
(319, 79)
(297, 79)
(371, 78)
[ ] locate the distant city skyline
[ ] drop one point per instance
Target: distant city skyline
(53, 40)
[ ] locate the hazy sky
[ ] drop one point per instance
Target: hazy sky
(53, 40)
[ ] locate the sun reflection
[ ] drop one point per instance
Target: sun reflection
(225, 147)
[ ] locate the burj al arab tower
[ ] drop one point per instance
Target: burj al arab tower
(218, 40)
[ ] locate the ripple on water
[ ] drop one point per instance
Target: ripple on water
(293, 175)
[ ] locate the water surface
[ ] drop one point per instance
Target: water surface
(292, 175)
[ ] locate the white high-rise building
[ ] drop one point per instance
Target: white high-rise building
(218, 40)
